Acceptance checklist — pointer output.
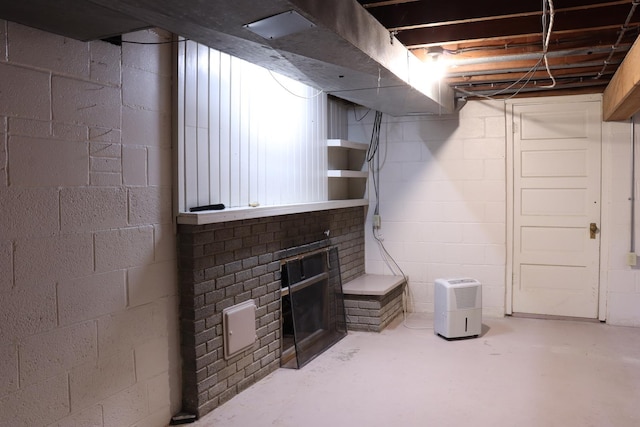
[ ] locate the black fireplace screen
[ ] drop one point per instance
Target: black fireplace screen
(312, 307)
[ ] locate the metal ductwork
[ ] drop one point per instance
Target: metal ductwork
(343, 50)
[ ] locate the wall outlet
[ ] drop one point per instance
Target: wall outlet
(632, 259)
(377, 221)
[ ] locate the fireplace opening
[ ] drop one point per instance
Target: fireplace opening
(313, 315)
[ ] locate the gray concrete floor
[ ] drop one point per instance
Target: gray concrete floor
(520, 372)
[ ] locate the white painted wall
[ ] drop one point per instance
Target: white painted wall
(246, 135)
(622, 281)
(443, 205)
(442, 200)
(88, 305)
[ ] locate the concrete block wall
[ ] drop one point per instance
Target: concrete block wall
(224, 264)
(623, 293)
(88, 282)
(442, 200)
(443, 206)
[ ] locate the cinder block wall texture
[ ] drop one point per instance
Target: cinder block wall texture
(88, 282)
(228, 263)
(443, 203)
(443, 200)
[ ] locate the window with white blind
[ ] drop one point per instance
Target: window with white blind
(246, 135)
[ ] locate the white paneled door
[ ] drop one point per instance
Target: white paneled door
(556, 208)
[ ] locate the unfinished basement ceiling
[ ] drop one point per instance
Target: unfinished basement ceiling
(344, 51)
(494, 48)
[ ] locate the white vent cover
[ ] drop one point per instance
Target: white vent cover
(280, 25)
(239, 328)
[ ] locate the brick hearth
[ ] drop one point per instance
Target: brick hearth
(224, 264)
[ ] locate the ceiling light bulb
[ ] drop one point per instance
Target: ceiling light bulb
(436, 67)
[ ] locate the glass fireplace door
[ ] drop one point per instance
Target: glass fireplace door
(313, 311)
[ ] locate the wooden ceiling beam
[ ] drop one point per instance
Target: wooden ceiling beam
(396, 14)
(564, 61)
(622, 95)
(498, 47)
(511, 37)
(520, 26)
(536, 13)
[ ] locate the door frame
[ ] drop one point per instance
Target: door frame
(605, 177)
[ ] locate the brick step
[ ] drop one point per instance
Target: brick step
(372, 301)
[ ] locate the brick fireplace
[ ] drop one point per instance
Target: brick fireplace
(224, 264)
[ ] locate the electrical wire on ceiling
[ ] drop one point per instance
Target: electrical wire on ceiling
(546, 36)
(529, 73)
(320, 92)
(548, 17)
(363, 116)
(616, 45)
(547, 29)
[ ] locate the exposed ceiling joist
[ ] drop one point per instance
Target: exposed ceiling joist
(426, 13)
(588, 41)
(567, 22)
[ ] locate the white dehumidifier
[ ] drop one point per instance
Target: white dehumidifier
(457, 308)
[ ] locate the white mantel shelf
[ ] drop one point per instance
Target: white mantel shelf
(236, 214)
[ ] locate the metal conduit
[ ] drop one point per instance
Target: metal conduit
(624, 29)
(468, 90)
(525, 69)
(533, 56)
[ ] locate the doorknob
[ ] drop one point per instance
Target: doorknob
(593, 229)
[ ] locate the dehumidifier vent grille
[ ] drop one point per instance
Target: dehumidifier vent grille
(466, 297)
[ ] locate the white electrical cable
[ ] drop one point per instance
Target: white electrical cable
(320, 92)
(547, 39)
(616, 45)
(373, 161)
(529, 73)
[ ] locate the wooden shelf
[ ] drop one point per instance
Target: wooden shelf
(236, 214)
(347, 174)
(343, 143)
(346, 161)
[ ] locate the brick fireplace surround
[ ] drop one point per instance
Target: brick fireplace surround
(224, 264)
